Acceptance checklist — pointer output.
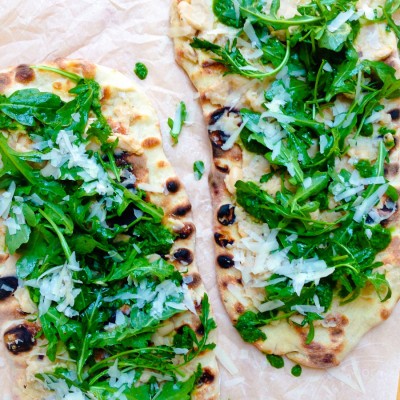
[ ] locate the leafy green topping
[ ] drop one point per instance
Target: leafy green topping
(188, 337)
(390, 7)
(198, 169)
(141, 70)
(176, 124)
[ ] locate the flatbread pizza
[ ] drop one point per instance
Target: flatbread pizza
(302, 104)
(100, 296)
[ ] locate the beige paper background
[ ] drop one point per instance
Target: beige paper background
(118, 33)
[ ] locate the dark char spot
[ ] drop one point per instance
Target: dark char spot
(395, 114)
(186, 231)
(24, 74)
(126, 218)
(226, 214)
(19, 339)
(180, 211)
(207, 377)
(195, 282)
(173, 185)
(200, 330)
(219, 137)
(222, 167)
(222, 240)
(225, 261)
(184, 256)
(8, 285)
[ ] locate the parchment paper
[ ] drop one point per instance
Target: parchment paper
(118, 33)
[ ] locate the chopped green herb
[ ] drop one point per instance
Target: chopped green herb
(275, 361)
(176, 124)
(296, 370)
(198, 169)
(141, 70)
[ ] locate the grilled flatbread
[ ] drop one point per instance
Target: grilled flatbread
(144, 296)
(249, 103)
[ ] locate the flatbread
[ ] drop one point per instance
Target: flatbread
(134, 122)
(223, 95)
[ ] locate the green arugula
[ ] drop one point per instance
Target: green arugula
(188, 338)
(232, 58)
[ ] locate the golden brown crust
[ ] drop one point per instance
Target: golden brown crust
(134, 122)
(230, 92)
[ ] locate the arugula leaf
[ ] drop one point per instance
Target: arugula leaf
(154, 238)
(13, 164)
(176, 124)
(247, 325)
(15, 241)
(103, 391)
(152, 210)
(188, 338)
(232, 58)
(160, 269)
(309, 320)
(26, 105)
(36, 252)
(57, 214)
(390, 7)
(86, 244)
(319, 181)
(226, 13)
(381, 286)
(289, 158)
(91, 322)
(180, 390)
(248, 10)
(141, 268)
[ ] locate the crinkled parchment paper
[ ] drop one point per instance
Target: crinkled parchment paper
(118, 33)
